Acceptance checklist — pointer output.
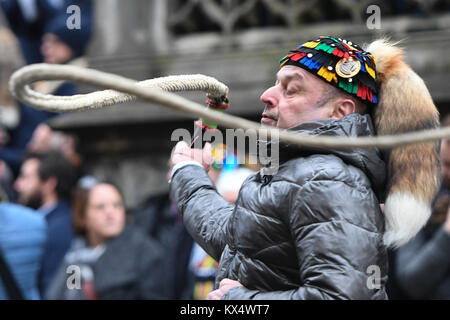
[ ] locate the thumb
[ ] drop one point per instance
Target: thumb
(181, 147)
(207, 148)
(207, 153)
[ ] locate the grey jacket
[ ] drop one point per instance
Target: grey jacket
(313, 230)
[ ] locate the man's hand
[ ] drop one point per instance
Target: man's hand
(224, 286)
(182, 152)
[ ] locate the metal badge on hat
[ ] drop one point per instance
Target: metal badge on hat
(348, 68)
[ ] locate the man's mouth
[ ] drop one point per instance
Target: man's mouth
(268, 119)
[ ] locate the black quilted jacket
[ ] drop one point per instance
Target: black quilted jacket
(313, 230)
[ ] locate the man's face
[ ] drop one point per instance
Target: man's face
(293, 99)
(445, 162)
(28, 184)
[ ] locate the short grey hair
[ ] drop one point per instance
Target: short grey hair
(330, 92)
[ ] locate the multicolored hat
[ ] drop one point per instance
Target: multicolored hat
(341, 63)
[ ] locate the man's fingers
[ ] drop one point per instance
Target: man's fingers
(207, 147)
(207, 154)
(202, 155)
(224, 285)
(182, 147)
(229, 282)
(213, 295)
(183, 152)
(225, 281)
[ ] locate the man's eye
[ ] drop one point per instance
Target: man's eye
(291, 91)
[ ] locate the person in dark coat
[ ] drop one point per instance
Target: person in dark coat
(422, 266)
(22, 240)
(43, 34)
(158, 217)
(311, 228)
(45, 184)
(108, 259)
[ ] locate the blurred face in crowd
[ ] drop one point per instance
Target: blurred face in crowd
(105, 214)
(445, 162)
(54, 50)
(41, 139)
(297, 97)
(28, 184)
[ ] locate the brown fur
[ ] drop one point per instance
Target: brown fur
(415, 169)
(405, 105)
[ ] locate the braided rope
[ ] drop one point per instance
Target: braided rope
(104, 98)
(124, 89)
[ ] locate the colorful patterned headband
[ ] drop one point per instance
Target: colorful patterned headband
(341, 63)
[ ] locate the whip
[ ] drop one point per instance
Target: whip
(160, 91)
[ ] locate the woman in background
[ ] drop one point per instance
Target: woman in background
(109, 259)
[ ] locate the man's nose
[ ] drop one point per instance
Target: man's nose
(269, 98)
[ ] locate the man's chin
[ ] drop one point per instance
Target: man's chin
(33, 202)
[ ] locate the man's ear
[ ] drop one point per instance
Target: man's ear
(49, 185)
(343, 107)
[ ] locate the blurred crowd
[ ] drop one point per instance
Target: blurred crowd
(64, 234)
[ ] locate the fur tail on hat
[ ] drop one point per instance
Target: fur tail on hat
(413, 171)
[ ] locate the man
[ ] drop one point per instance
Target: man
(314, 229)
(45, 183)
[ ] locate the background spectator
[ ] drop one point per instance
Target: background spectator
(445, 167)
(159, 219)
(41, 28)
(116, 261)
(421, 268)
(45, 139)
(423, 264)
(22, 240)
(11, 59)
(6, 183)
(45, 183)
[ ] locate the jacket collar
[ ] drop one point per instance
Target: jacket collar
(369, 160)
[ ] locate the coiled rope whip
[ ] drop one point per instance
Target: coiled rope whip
(159, 91)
